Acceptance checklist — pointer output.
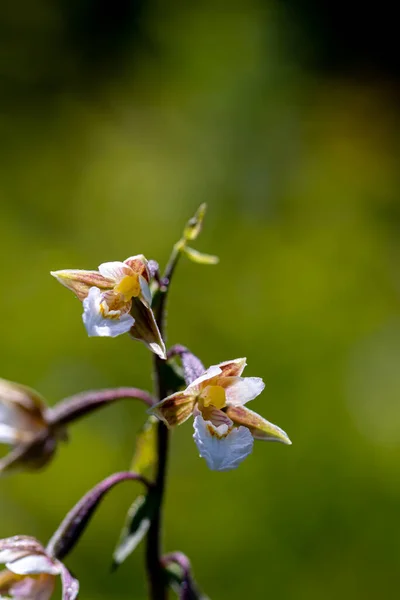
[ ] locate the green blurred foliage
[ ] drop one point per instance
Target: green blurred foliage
(107, 153)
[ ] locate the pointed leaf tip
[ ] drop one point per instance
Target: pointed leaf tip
(194, 225)
(200, 257)
(136, 525)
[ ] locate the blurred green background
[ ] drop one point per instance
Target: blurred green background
(116, 121)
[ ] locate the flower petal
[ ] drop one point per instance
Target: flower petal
(7, 554)
(80, 282)
(96, 324)
(38, 587)
(8, 435)
(145, 328)
(19, 545)
(33, 564)
(7, 580)
(175, 409)
(14, 396)
(232, 368)
(70, 585)
(139, 265)
(115, 270)
(223, 450)
(260, 428)
(32, 455)
(201, 382)
(146, 293)
(216, 416)
(240, 390)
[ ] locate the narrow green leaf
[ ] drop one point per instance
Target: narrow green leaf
(200, 257)
(145, 457)
(135, 528)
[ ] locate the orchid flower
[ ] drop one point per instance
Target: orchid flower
(224, 429)
(24, 426)
(33, 430)
(31, 572)
(116, 299)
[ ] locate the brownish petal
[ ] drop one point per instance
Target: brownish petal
(80, 282)
(175, 409)
(216, 416)
(138, 264)
(232, 368)
(7, 580)
(30, 456)
(145, 328)
(27, 405)
(260, 428)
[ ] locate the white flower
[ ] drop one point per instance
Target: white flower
(31, 573)
(116, 299)
(224, 427)
(23, 426)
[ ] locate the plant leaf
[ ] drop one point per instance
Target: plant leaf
(145, 456)
(200, 257)
(136, 525)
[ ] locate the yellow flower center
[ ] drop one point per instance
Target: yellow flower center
(215, 395)
(129, 287)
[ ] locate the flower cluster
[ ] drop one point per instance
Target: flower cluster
(118, 299)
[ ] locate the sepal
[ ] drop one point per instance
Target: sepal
(260, 428)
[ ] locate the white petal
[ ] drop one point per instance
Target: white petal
(146, 293)
(33, 565)
(11, 554)
(8, 435)
(96, 324)
(157, 349)
(225, 453)
(115, 270)
(7, 414)
(243, 390)
(209, 374)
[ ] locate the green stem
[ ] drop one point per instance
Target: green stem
(157, 583)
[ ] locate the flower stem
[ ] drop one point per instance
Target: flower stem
(157, 582)
(79, 405)
(74, 524)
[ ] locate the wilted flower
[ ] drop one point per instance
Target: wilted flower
(31, 572)
(24, 426)
(224, 428)
(116, 299)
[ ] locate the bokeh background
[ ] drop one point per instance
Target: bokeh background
(116, 121)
